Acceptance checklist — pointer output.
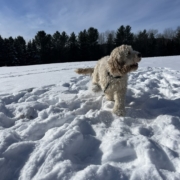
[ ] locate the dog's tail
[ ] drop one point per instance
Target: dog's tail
(84, 70)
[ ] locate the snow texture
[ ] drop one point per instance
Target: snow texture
(53, 127)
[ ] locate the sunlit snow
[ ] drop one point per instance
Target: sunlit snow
(52, 127)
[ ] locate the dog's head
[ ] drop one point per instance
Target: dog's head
(123, 59)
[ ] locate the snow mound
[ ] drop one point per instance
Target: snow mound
(65, 132)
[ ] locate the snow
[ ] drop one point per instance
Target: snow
(53, 127)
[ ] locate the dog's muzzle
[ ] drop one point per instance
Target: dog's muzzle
(139, 55)
(134, 65)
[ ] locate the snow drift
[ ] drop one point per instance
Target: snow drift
(53, 127)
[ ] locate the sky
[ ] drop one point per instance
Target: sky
(27, 17)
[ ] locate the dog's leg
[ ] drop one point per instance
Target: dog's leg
(96, 87)
(119, 106)
(95, 79)
(109, 97)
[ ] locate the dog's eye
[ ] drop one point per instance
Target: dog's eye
(129, 52)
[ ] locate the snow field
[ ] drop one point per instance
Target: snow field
(63, 131)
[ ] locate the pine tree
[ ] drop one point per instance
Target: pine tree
(83, 45)
(29, 58)
(49, 48)
(177, 42)
(56, 43)
(124, 36)
(92, 37)
(20, 47)
(152, 46)
(32, 56)
(35, 54)
(141, 43)
(178, 35)
(43, 43)
(73, 49)
(129, 37)
(40, 41)
(64, 46)
(120, 35)
(2, 53)
(10, 57)
(110, 43)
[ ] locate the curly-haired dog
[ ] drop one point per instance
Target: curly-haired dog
(110, 75)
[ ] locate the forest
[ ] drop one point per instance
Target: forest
(88, 45)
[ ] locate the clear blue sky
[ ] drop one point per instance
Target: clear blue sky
(27, 17)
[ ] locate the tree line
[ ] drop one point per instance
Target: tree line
(87, 45)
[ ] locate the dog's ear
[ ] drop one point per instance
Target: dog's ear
(115, 65)
(114, 62)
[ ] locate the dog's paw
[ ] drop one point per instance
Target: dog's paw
(96, 88)
(119, 112)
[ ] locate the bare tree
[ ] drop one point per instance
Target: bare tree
(101, 38)
(177, 30)
(169, 33)
(152, 31)
(110, 32)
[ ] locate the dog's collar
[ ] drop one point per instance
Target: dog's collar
(116, 77)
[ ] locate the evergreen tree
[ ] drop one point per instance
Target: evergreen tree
(83, 45)
(151, 45)
(35, 54)
(92, 37)
(124, 36)
(178, 35)
(20, 47)
(2, 53)
(49, 48)
(161, 46)
(110, 43)
(120, 34)
(129, 37)
(44, 43)
(64, 46)
(32, 56)
(29, 58)
(40, 41)
(73, 49)
(56, 43)
(10, 52)
(177, 42)
(141, 43)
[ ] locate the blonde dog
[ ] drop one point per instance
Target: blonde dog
(110, 75)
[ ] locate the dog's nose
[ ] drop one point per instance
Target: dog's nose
(139, 54)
